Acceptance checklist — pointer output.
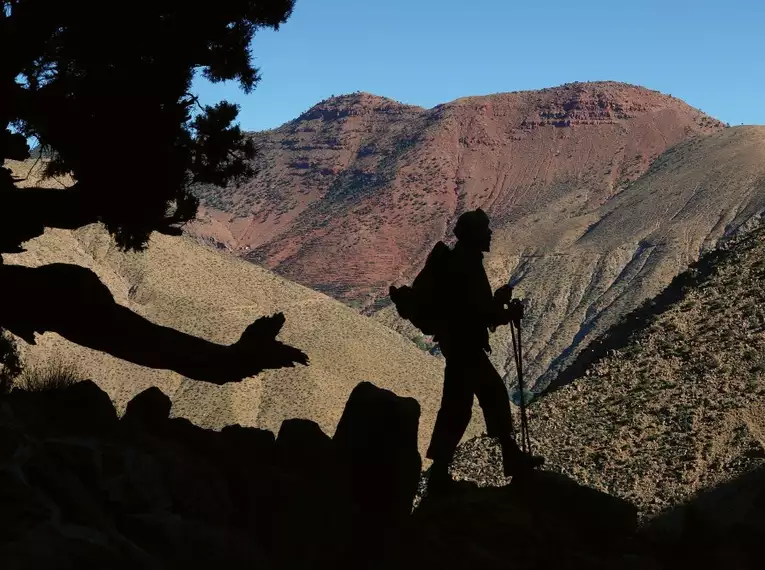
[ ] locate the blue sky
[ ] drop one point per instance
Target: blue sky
(426, 52)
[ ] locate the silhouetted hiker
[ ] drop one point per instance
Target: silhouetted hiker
(72, 301)
(460, 309)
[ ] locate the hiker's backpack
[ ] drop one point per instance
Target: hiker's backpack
(424, 303)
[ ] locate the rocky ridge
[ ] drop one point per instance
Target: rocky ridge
(85, 488)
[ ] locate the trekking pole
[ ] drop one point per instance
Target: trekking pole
(518, 355)
(524, 411)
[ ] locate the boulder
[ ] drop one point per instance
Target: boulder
(307, 513)
(150, 410)
(252, 446)
(302, 447)
(84, 407)
(376, 439)
(77, 409)
(376, 447)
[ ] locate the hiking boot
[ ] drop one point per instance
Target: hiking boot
(440, 482)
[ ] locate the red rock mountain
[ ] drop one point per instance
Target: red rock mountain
(351, 195)
(599, 194)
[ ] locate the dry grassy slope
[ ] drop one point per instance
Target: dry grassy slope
(352, 194)
(680, 404)
(179, 283)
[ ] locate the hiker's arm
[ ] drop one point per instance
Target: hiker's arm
(501, 316)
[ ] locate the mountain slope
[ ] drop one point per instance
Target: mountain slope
(184, 285)
(178, 283)
(353, 193)
(599, 194)
(679, 404)
(581, 275)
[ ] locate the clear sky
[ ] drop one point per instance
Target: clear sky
(709, 53)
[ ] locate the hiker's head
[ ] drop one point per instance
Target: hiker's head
(473, 230)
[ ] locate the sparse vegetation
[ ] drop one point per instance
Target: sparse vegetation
(673, 397)
(10, 362)
(423, 343)
(54, 374)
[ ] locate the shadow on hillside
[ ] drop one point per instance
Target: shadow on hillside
(83, 488)
(71, 301)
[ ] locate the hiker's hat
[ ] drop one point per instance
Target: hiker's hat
(471, 223)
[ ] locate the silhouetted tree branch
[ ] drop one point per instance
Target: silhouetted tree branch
(106, 90)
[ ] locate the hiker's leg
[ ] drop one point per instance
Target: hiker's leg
(495, 402)
(451, 422)
(492, 397)
(454, 415)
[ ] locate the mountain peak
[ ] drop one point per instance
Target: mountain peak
(357, 103)
(591, 102)
(579, 102)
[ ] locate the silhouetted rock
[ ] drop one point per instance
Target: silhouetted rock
(593, 512)
(81, 407)
(722, 527)
(308, 524)
(376, 444)
(184, 432)
(23, 508)
(76, 503)
(86, 397)
(79, 456)
(540, 525)
(301, 446)
(150, 409)
(377, 439)
(192, 543)
(50, 549)
(185, 497)
(8, 443)
(256, 445)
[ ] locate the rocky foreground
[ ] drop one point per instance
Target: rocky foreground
(82, 488)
